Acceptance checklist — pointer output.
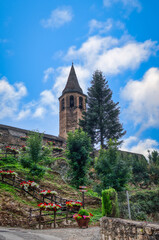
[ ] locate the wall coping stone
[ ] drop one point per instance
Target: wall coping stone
(130, 222)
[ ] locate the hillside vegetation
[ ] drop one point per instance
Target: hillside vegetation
(48, 166)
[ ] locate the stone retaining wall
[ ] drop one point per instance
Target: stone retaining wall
(120, 229)
(11, 136)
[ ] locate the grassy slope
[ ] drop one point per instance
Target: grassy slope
(14, 206)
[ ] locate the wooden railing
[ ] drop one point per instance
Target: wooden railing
(41, 219)
(34, 219)
(15, 181)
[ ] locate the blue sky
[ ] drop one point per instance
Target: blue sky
(40, 39)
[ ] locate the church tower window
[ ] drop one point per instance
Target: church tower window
(63, 104)
(80, 102)
(71, 101)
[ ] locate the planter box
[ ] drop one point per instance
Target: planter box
(47, 209)
(8, 176)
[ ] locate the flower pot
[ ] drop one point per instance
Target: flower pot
(83, 223)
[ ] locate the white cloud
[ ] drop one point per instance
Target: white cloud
(58, 17)
(91, 50)
(103, 27)
(47, 74)
(128, 4)
(133, 144)
(143, 99)
(39, 112)
(49, 100)
(10, 96)
(45, 105)
(11, 102)
(129, 56)
(110, 55)
(23, 114)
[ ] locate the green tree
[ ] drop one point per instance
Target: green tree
(78, 148)
(101, 121)
(34, 154)
(111, 170)
(154, 166)
(153, 157)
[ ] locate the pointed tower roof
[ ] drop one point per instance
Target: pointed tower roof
(72, 84)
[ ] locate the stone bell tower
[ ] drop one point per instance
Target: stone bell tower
(72, 104)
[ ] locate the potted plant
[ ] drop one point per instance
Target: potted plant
(8, 174)
(11, 150)
(8, 149)
(33, 185)
(30, 185)
(49, 206)
(74, 205)
(14, 150)
(24, 185)
(82, 218)
(24, 138)
(24, 148)
(48, 193)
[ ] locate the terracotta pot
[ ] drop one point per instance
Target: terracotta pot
(83, 223)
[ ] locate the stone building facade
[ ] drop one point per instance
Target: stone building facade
(71, 105)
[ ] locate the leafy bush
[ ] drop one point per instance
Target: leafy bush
(147, 200)
(9, 159)
(111, 170)
(144, 204)
(36, 172)
(137, 213)
(110, 203)
(25, 162)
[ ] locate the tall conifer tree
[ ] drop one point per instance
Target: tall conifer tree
(101, 121)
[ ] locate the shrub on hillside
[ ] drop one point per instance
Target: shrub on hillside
(33, 155)
(111, 170)
(110, 206)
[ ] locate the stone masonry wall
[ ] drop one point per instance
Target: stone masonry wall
(121, 229)
(12, 136)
